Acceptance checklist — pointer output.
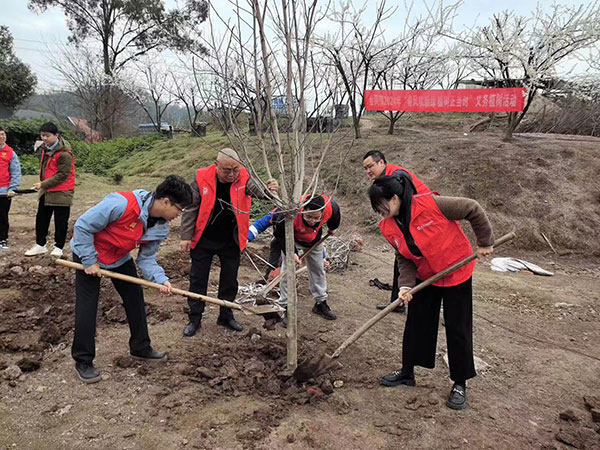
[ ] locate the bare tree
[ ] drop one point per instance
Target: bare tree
(267, 51)
(151, 88)
(353, 48)
(525, 52)
(103, 103)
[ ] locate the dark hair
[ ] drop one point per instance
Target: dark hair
(49, 127)
(315, 204)
(384, 188)
(376, 155)
(176, 189)
(2, 128)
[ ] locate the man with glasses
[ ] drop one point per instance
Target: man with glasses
(375, 167)
(102, 238)
(217, 223)
(308, 230)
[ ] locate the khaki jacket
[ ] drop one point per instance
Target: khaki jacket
(56, 198)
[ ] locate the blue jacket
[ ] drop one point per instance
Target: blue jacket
(260, 225)
(15, 174)
(108, 210)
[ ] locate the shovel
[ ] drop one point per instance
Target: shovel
(20, 192)
(255, 309)
(319, 365)
(275, 281)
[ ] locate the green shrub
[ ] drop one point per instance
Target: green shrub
(22, 133)
(99, 157)
(30, 164)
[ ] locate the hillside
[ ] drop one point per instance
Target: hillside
(535, 184)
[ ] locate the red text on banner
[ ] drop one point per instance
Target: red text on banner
(461, 100)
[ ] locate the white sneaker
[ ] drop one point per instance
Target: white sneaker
(56, 252)
(36, 250)
(4, 246)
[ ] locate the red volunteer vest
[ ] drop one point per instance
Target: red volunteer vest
(303, 233)
(206, 178)
(441, 241)
(121, 236)
(52, 169)
(6, 155)
(419, 185)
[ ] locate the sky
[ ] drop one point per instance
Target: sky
(35, 33)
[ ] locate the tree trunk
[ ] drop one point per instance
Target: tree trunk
(511, 124)
(292, 326)
(392, 125)
(356, 124)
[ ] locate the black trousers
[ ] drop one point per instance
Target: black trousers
(395, 287)
(4, 210)
(274, 256)
(87, 291)
(421, 330)
(42, 223)
(202, 256)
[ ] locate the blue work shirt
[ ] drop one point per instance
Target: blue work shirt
(14, 169)
(111, 208)
(260, 225)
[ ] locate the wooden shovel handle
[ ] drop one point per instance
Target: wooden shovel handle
(278, 278)
(142, 282)
(377, 317)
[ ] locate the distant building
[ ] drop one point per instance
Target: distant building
(279, 104)
(150, 128)
(82, 126)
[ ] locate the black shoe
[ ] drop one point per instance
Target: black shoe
(397, 378)
(397, 309)
(231, 324)
(87, 372)
(457, 398)
(149, 355)
(284, 321)
(191, 329)
(323, 309)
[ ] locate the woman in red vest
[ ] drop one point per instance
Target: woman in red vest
(56, 189)
(424, 230)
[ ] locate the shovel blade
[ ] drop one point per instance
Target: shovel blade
(262, 309)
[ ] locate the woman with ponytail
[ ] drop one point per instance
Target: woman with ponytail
(424, 230)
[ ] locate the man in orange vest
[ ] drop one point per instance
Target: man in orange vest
(424, 230)
(308, 229)
(375, 167)
(10, 178)
(56, 188)
(103, 237)
(217, 223)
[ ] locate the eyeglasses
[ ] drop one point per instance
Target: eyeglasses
(178, 207)
(230, 169)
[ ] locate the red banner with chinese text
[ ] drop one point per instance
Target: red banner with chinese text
(448, 100)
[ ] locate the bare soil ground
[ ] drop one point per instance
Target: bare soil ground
(226, 390)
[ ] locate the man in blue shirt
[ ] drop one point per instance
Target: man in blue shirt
(102, 238)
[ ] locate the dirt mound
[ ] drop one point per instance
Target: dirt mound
(38, 300)
(535, 185)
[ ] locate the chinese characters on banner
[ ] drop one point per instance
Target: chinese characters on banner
(461, 100)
